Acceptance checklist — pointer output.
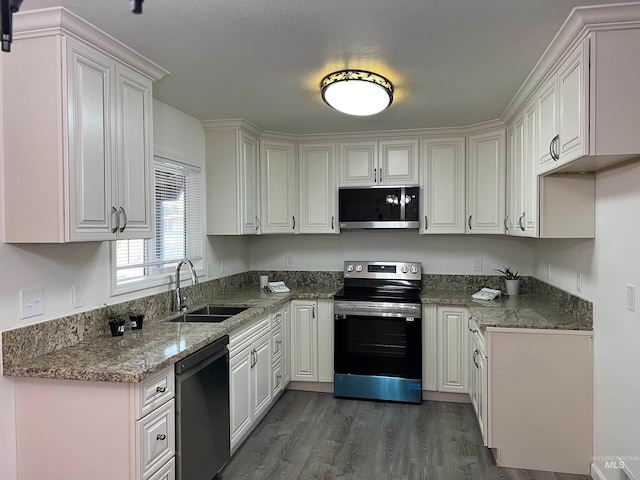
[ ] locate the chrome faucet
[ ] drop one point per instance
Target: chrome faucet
(180, 304)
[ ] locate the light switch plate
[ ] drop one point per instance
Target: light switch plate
(477, 264)
(288, 261)
(77, 295)
(31, 302)
(631, 298)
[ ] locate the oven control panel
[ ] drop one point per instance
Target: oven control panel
(383, 270)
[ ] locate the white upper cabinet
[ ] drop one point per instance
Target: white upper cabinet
(91, 114)
(443, 185)
(486, 175)
(370, 163)
(317, 188)
(133, 118)
(233, 181)
(563, 111)
(279, 182)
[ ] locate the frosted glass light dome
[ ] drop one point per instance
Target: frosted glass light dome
(357, 92)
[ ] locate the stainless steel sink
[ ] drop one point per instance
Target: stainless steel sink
(210, 314)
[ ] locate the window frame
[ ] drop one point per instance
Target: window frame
(166, 278)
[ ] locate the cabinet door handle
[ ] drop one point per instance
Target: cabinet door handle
(161, 436)
(469, 221)
(375, 175)
(161, 389)
(506, 217)
(553, 148)
(332, 219)
(114, 210)
(426, 222)
(380, 175)
(257, 223)
(124, 214)
(472, 330)
(475, 354)
(520, 221)
(313, 311)
(294, 222)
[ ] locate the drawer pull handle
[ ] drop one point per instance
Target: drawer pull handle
(279, 376)
(278, 341)
(161, 436)
(161, 389)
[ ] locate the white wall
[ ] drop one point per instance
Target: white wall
(439, 254)
(608, 263)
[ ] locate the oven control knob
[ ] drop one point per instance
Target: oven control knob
(358, 268)
(404, 269)
(414, 269)
(349, 268)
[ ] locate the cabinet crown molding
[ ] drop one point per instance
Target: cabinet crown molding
(231, 124)
(60, 21)
(577, 26)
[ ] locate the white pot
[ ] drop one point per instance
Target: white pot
(513, 286)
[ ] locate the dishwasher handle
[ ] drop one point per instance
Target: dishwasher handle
(204, 356)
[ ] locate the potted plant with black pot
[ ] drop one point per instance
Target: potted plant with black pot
(512, 280)
(136, 316)
(116, 321)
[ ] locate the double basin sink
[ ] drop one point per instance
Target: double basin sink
(211, 314)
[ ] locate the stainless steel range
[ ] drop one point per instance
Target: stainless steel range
(378, 332)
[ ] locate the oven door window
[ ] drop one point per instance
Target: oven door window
(378, 346)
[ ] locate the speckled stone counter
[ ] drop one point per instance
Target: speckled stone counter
(521, 311)
(161, 343)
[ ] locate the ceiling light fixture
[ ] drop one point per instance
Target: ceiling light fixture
(357, 92)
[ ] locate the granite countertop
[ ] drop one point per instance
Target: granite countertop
(521, 311)
(140, 353)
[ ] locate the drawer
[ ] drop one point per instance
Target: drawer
(154, 391)
(278, 383)
(155, 440)
(240, 339)
(167, 472)
(276, 345)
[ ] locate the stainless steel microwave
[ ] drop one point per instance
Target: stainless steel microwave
(378, 207)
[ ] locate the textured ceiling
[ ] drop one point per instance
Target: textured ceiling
(452, 62)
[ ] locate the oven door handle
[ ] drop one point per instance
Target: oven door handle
(387, 310)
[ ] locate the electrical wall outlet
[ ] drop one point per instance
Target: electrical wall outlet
(548, 271)
(288, 261)
(221, 266)
(31, 302)
(477, 264)
(578, 282)
(77, 295)
(210, 269)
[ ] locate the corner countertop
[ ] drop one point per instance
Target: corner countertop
(521, 311)
(140, 353)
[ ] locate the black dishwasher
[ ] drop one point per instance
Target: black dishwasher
(202, 412)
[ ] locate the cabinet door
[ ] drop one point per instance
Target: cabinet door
(452, 349)
(516, 203)
(398, 164)
(249, 184)
(240, 394)
(528, 173)
(261, 375)
(278, 180)
(573, 101)
(286, 342)
(547, 103)
(325, 340)
(304, 341)
(317, 188)
(482, 394)
(430, 347)
(443, 180)
(133, 121)
(358, 163)
(93, 211)
(486, 171)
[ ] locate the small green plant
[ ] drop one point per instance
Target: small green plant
(135, 312)
(508, 273)
(112, 315)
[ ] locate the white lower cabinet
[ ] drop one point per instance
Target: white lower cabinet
(249, 377)
(445, 353)
(478, 377)
(312, 340)
(113, 430)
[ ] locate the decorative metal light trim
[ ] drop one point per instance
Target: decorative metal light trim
(382, 92)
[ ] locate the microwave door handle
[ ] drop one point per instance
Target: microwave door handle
(402, 205)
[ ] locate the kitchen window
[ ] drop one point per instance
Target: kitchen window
(178, 231)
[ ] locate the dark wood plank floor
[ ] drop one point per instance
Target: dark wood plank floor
(316, 436)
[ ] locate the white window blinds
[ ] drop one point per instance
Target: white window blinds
(178, 226)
